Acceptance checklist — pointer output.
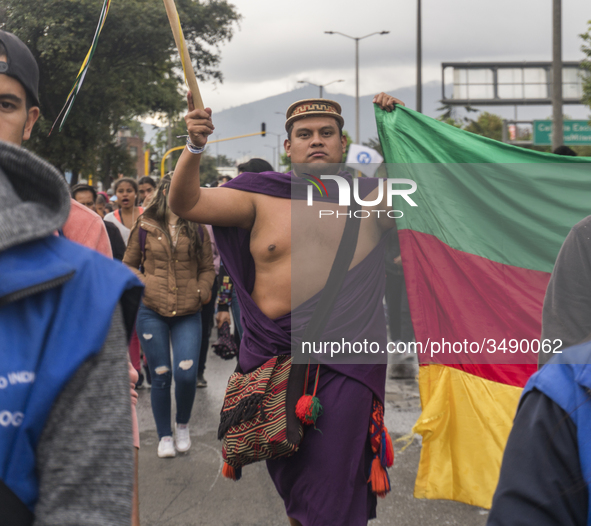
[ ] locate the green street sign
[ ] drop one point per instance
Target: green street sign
(575, 132)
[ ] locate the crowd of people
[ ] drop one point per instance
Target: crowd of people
(184, 253)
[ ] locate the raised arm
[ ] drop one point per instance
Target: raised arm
(212, 206)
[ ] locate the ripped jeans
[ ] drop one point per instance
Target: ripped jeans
(156, 333)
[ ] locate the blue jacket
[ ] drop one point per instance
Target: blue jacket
(55, 313)
(566, 380)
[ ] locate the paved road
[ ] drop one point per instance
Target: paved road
(189, 490)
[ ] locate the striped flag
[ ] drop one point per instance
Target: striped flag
(477, 254)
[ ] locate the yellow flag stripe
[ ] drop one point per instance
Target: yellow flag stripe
(465, 424)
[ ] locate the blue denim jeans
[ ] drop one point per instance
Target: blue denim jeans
(156, 333)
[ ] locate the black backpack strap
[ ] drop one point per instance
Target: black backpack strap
(13, 511)
(335, 280)
(322, 312)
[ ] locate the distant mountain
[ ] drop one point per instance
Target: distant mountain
(247, 118)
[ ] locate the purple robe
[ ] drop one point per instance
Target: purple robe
(325, 482)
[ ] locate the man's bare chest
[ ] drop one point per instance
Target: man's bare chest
(292, 229)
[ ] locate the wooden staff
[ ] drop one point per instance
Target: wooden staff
(181, 45)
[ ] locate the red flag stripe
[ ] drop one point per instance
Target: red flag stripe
(455, 297)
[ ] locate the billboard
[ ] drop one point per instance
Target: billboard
(509, 83)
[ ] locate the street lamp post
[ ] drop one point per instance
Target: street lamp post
(357, 39)
(278, 135)
(321, 86)
(419, 61)
(273, 147)
(557, 118)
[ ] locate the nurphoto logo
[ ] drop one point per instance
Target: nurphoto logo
(345, 194)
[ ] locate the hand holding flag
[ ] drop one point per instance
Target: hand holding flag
(386, 102)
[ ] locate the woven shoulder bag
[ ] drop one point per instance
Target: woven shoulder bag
(253, 419)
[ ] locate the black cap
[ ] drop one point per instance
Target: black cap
(21, 64)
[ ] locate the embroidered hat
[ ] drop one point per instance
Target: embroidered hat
(20, 65)
(313, 108)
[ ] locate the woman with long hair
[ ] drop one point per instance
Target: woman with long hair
(173, 258)
(126, 190)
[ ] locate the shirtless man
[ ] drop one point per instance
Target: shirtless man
(315, 144)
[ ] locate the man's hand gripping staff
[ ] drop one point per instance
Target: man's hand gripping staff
(185, 189)
(199, 124)
(210, 206)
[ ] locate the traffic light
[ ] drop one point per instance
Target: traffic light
(263, 129)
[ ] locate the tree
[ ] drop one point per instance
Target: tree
(488, 125)
(285, 162)
(135, 70)
(136, 128)
(115, 159)
(159, 143)
(452, 116)
(208, 169)
(450, 120)
(224, 160)
(349, 142)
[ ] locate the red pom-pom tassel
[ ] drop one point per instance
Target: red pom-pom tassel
(308, 409)
(378, 478)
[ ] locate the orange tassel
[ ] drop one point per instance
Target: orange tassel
(378, 478)
(229, 472)
(389, 449)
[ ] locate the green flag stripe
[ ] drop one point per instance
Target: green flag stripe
(501, 202)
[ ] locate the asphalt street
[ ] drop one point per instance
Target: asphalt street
(189, 490)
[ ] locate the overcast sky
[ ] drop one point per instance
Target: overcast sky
(279, 43)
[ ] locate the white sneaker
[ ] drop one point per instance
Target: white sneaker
(166, 448)
(182, 439)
